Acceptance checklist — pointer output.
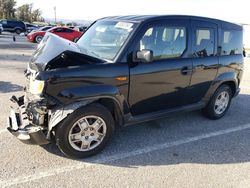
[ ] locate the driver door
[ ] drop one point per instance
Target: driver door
(161, 84)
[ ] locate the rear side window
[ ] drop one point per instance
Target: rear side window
(231, 43)
(13, 23)
(165, 41)
(204, 42)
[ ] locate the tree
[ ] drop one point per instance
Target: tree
(25, 13)
(7, 9)
(37, 15)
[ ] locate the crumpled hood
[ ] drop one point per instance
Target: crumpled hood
(50, 47)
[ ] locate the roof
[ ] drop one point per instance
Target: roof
(142, 18)
(133, 18)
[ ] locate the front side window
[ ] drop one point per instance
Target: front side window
(165, 41)
(68, 30)
(231, 42)
(104, 39)
(59, 30)
(204, 42)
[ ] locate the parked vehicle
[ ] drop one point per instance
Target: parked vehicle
(63, 32)
(1, 29)
(125, 70)
(44, 28)
(31, 27)
(13, 26)
(81, 28)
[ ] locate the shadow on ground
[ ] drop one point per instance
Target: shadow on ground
(7, 87)
(224, 149)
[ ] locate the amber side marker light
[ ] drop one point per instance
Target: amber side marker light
(121, 78)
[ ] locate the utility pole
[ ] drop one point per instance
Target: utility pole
(55, 13)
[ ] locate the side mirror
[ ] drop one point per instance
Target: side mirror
(145, 56)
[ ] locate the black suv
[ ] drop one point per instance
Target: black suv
(13, 26)
(126, 70)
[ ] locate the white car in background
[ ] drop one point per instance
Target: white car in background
(1, 28)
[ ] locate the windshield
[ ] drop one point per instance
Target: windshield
(45, 28)
(104, 39)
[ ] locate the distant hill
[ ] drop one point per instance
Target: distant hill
(80, 22)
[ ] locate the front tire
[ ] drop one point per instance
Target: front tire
(75, 39)
(219, 103)
(85, 132)
(18, 31)
(38, 38)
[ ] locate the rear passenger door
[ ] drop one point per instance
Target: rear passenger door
(205, 59)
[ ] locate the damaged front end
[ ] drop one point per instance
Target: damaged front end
(29, 114)
(27, 121)
(34, 115)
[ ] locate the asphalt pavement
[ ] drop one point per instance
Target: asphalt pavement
(185, 150)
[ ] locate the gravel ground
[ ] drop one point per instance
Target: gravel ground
(186, 150)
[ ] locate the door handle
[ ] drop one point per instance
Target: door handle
(186, 70)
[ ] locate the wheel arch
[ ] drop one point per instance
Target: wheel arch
(228, 78)
(116, 108)
(34, 39)
(18, 28)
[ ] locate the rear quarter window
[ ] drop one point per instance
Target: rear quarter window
(231, 42)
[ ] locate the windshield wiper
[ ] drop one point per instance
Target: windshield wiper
(95, 54)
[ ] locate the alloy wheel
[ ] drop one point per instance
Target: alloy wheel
(87, 133)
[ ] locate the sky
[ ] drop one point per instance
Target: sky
(230, 10)
(236, 11)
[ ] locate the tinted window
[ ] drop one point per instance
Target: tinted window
(231, 42)
(68, 30)
(45, 28)
(164, 41)
(16, 23)
(30, 25)
(59, 30)
(204, 42)
(13, 22)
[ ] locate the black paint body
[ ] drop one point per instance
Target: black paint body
(150, 90)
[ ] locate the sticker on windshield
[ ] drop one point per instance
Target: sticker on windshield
(124, 25)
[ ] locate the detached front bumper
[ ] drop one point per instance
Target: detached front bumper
(18, 125)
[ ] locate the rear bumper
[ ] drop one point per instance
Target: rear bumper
(19, 126)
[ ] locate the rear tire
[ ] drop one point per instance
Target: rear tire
(85, 132)
(219, 103)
